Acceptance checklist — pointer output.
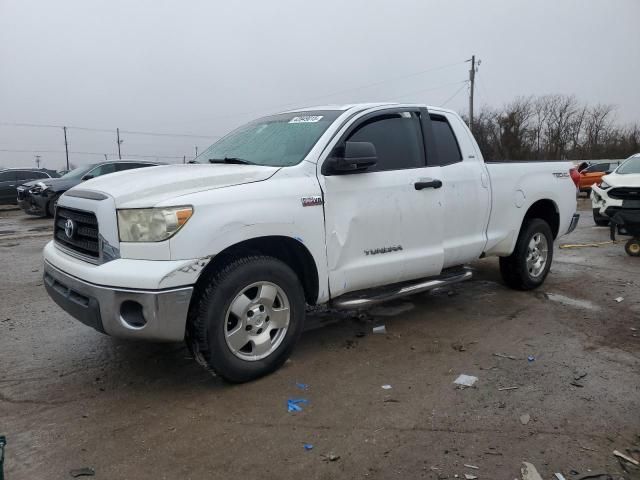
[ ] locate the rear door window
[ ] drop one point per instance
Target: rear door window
(446, 143)
(397, 138)
(103, 169)
(7, 176)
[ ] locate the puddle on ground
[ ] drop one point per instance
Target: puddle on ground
(572, 302)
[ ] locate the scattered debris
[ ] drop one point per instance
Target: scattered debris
(524, 419)
(559, 476)
(581, 245)
(465, 380)
(458, 346)
(579, 377)
(531, 358)
(502, 355)
(502, 389)
(302, 386)
(380, 329)
(592, 475)
(391, 311)
(391, 400)
(293, 404)
(308, 446)
(473, 467)
(529, 472)
(576, 384)
(468, 476)
(82, 472)
(626, 458)
(387, 387)
(331, 457)
(571, 302)
(619, 299)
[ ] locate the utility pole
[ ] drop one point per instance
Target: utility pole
(472, 79)
(38, 161)
(119, 142)
(196, 151)
(66, 145)
(184, 159)
(105, 157)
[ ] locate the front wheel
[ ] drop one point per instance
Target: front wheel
(599, 219)
(527, 267)
(632, 247)
(247, 320)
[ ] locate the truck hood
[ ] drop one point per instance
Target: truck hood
(146, 187)
(626, 180)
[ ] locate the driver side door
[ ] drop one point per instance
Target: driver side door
(382, 225)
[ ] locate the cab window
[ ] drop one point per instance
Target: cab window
(397, 138)
(446, 143)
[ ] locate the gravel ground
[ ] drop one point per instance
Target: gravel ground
(73, 398)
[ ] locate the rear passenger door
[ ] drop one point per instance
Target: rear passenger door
(380, 228)
(8, 186)
(465, 189)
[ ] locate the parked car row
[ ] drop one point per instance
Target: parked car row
(591, 173)
(37, 192)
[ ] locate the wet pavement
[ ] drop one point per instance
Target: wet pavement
(73, 398)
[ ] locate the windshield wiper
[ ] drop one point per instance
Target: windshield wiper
(233, 160)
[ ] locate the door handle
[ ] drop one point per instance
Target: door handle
(428, 184)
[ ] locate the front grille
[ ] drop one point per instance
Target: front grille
(84, 238)
(625, 193)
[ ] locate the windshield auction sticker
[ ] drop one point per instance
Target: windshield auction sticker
(306, 119)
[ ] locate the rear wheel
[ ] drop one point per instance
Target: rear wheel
(632, 247)
(599, 219)
(527, 267)
(247, 319)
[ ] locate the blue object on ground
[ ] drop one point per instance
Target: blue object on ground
(293, 404)
(302, 386)
(308, 446)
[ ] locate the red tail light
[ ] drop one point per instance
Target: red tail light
(575, 176)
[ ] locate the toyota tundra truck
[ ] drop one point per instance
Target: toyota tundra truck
(345, 206)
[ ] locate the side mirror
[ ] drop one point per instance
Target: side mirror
(352, 157)
(88, 176)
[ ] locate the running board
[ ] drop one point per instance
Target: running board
(368, 298)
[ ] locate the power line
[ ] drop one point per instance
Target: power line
(135, 155)
(465, 83)
(340, 92)
(429, 89)
(106, 130)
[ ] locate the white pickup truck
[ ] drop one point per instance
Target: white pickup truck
(342, 205)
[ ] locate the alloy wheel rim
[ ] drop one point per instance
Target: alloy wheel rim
(537, 255)
(257, 321)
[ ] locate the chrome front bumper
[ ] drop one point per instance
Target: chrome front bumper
(158, 315)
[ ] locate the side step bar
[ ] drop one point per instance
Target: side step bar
(368, 298)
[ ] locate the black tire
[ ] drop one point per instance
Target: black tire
(514, 267)
(632, 247)
(207, 321)
(600, 220)
(51, 206)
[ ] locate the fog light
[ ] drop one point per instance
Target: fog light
(131, 314)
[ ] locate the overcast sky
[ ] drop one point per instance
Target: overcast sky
(203, 67)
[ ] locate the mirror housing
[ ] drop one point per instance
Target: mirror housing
(352, 157)
(88, 176)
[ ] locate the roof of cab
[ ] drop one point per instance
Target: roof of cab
(363, 106)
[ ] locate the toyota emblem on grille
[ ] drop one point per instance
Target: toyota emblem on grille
(69, 228)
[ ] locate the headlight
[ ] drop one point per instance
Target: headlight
(604, 185)
(151, 224)
(38, 188)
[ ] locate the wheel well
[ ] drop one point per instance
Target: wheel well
(545, 210)
(290, 251)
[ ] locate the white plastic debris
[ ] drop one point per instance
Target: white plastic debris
(626, 458)
(524, 419)
(529, 472)
(387, 387)
(473, 467)
(559, 476)
(380, 329)
(465, 380)
(619, 299)
(468, 476)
